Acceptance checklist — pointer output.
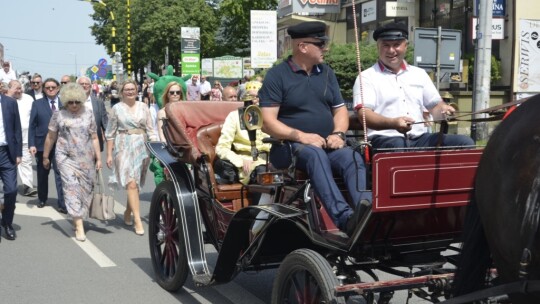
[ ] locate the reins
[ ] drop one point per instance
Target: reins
(494, 111)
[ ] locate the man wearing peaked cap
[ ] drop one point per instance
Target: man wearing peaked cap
(314, 29)
(302, 106)
(394, 95)
(391, 31)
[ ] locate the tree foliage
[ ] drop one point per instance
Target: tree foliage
(155, 25)
(234, 35)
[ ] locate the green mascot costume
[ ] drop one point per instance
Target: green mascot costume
(159, 86)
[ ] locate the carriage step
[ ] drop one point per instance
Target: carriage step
(201, 280)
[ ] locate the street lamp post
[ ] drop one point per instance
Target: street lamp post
(128, 7)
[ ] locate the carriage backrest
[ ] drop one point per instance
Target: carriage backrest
(187, 117)
(207, 139)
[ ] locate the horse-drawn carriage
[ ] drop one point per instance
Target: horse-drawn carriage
(418, 206)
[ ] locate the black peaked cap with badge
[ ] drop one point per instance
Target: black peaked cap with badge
(391, 31)
(311, 29)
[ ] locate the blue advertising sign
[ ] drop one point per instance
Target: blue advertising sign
(499, 8)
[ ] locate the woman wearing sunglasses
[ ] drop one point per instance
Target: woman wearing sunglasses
(172, 93)
(130, 125)
(77, 153)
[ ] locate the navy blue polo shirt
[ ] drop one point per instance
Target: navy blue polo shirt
(305, 101)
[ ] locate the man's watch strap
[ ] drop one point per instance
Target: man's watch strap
(340, 134)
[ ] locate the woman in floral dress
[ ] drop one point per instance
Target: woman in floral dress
(130, 125)
(73, 129)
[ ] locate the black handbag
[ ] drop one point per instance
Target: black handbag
(226, 173)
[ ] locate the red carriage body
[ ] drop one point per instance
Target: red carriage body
(419, 201)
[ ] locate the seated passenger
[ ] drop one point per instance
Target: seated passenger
(172, 93)
(302, 105)
(394, 94)
(234, 144)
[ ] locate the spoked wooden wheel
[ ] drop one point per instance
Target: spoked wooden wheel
(305, 277)
(167, 248)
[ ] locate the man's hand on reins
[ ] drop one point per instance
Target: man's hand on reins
(403, 124)
(442, 111)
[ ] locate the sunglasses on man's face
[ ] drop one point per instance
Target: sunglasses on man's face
(51, 88)
(71, 102)
(179, 93)
(63, 82)
(319, 44)
(36, 82)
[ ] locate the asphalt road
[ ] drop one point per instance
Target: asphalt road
(45, 264)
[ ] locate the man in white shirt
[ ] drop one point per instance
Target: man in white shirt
(392, 94)
(7, 74)
(206, 88)
(24, 101)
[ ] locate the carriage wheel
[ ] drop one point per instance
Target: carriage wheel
(167, 248)
(305, 277)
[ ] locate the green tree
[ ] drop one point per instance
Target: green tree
(155, 25)
(234, 35)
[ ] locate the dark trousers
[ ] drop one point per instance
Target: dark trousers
(425, 140)
(320, 165)
(43, 179)
(8, 173)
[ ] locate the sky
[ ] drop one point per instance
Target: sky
(49, 37)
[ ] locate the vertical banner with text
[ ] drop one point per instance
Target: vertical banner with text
(528, 74)
(191, 50)
(263, 38)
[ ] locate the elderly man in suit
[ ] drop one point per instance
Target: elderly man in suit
(97, 106)
(40, 115)
(10, 157)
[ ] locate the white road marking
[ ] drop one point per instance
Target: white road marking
(196, 296)
(237, 294)
(65, 224)
(232, 291)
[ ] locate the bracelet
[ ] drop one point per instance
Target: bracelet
(340, 134)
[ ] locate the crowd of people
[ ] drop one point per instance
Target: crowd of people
(64, 126)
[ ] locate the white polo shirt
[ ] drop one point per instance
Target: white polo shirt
(394, 95)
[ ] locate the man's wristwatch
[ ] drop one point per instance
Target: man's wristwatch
(340, 134)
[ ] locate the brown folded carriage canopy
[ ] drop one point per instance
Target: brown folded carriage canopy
(187, 117)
